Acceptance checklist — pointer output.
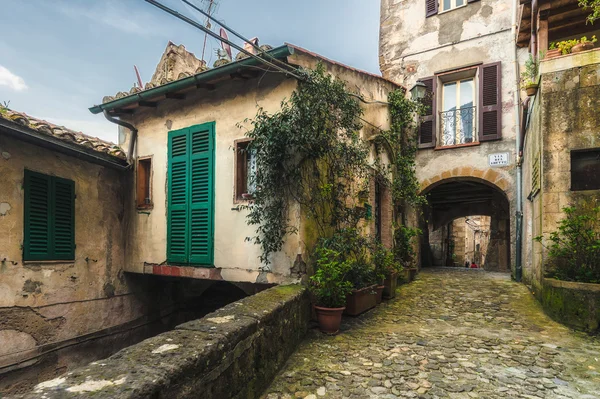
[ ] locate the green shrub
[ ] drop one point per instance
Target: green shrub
(329, 283)
(574, 252)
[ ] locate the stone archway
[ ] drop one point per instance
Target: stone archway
(464, 192)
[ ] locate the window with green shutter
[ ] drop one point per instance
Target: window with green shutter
(190, 223)
(49, 217)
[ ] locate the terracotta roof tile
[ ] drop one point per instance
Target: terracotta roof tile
(62, 133)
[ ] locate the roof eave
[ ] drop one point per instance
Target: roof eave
(27, 134)
(191, 81)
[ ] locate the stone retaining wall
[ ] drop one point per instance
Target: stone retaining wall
(574, 304)
(231, 353)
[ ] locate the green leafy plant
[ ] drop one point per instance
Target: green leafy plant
(383, 261)
(565, 46)
(329, 284)
(530, 74)
(574, 251)
(404, 252)
(309, 153)
(594, 6)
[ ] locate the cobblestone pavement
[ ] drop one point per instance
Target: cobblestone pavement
(450, 334)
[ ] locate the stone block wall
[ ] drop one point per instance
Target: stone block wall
(231, 353)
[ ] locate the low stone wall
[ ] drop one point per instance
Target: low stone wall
(575, 304)
(231, 353)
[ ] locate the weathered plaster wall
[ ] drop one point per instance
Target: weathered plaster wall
(413, 47)
(231, 103)
(44, 302)
(564, 118)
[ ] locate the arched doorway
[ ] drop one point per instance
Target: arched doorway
(473, 201)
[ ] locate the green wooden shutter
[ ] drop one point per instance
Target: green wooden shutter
(36, 243)
(177, 223)
(63, 228)
(201, 194)
(49, 218)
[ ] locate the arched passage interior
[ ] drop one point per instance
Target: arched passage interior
(457, 198)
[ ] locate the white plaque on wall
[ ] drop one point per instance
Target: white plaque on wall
(499, 159)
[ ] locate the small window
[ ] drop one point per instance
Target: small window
(458, 112)
(447, 5)
(585, 169)
(245, 170)
(143, 189)
(49, 218)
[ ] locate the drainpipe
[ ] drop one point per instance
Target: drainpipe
(534, 13)
(129, 126)
(519, 179)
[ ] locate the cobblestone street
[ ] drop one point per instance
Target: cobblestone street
(452, 333)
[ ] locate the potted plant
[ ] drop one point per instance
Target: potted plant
(530, 75)
(553, 51)
(330, 288)
(387, 271)
(404, 252)
(364, 293)
(584, 44)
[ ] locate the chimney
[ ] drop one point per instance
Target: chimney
(248, 45)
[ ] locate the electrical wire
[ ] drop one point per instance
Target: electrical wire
(211, 33)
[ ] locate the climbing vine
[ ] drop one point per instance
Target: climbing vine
(309, 152)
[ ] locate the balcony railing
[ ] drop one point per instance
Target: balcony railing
(458, 126)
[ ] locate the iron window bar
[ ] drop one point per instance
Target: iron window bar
(458, 126)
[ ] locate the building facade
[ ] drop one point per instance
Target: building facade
(464, 54)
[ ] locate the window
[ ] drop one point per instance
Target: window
(49, 218)
(469, 104)
(245, 170)
(432, 7)
(143, 189)
(447, 5)
(190, 199)
(585, 169)
(458, 112)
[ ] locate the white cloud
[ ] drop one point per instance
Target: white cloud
(113, 14)
(7, 78)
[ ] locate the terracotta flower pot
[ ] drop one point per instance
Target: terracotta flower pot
(379, 290)
(329, 319)
(531, 90)
(361, 300)
(413, 273)
(578, 48)
(553, 53)
(390, 284)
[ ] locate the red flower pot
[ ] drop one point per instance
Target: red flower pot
(329, 319)
(379, 290)
(361, 300)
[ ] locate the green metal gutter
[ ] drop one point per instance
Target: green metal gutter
(191, 81)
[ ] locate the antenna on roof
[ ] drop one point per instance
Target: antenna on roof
(139, 78)
(212, 8)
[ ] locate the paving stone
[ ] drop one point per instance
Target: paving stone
(450, 334)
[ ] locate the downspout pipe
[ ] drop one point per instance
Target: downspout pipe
(534, 21)
(519, 161)
(129, 126)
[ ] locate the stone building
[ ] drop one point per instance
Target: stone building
(204, 107)
(464, 54)
(561, 125)
(92, 230)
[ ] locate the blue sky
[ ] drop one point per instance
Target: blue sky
(59, 57)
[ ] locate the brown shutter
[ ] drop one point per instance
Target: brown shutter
(431, 7)
(427, 127)
(490, 102)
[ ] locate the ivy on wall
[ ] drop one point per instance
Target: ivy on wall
(310, 153)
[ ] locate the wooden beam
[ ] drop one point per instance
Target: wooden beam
(207, 86)
(151, 104)
(175, 96)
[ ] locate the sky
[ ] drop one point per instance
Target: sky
(59, 57)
